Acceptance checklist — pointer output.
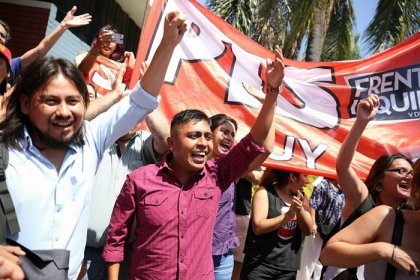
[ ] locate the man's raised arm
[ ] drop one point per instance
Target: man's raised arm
(48, 42)
(174, 29)
(274, 75)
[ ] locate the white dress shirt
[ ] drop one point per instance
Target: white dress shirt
(53, 208)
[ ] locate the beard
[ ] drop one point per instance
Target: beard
(48, 142)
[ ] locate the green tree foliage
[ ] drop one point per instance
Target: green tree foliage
(394, 21)
(321, 30)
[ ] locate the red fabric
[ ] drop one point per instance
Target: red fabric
(103, 73)
(7, 54)
(315, 110)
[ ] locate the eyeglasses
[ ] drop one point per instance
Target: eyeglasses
(402, 171)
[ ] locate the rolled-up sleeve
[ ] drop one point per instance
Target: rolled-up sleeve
(144, 99)
(121, 117)
(238, 160)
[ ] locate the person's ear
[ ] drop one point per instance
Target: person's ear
(291, 178)
(24, 104)
(170, 142)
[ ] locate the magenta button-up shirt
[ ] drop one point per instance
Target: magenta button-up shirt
(174, 221)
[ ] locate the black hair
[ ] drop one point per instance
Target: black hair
(377, 172)
(35, 77)
(7, 28)
(190, 115)
(277, 177)
(118, 54)
(219, 119)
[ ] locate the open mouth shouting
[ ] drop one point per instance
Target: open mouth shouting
(225, 146)
(404, 186)
(199, 157)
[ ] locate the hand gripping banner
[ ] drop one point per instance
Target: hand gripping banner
(317, 107)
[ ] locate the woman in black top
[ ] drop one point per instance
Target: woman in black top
(279, 217)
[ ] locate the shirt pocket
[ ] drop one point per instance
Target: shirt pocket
(156, 208)
(204, 201)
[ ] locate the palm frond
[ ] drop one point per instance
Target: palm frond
(394, 21)
(339, 39)
(300, 19)
(238, 13)
(271, 23)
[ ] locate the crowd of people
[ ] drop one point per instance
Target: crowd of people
(174, 201)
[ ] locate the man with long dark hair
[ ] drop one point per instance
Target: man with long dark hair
(54, 153)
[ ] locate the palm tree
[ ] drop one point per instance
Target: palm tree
(394, 21)
(340, 42)
(328, 26)
(262, 20)
(271, 22)
(289, 22)
(239, 13)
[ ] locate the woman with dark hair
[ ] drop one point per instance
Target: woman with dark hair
(224, 130)
(384, 239)
(224, 235)
(279, 217)
(386, 184)
(101, 63)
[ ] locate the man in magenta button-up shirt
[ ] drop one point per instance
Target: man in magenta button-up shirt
(175, 201)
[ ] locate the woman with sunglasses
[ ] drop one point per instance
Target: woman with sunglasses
(388, 181)
(384, 239)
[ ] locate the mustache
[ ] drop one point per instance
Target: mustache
(61, 118)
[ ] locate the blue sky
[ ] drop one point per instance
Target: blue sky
(364, 10)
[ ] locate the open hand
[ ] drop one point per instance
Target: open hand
(275, 69)
(70, 20)
(118, 86)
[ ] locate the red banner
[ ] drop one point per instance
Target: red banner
(317, 106)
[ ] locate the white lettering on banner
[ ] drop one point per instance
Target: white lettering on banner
(414, 114)
(310, 155)
(205, 42)
(104, 82)
(398, 90)
(387, 81)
